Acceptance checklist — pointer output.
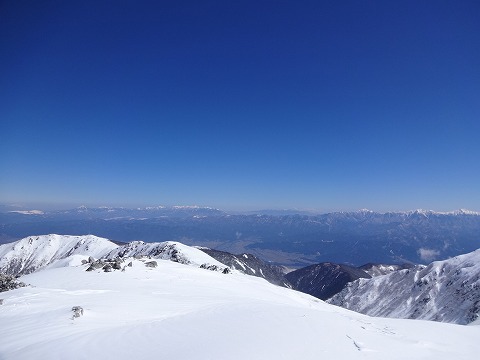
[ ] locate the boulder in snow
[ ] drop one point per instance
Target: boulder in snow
(77, 311)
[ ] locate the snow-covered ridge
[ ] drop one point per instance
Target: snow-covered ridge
(431, 212)
(35, 252)
(446, 291)
(418, 212)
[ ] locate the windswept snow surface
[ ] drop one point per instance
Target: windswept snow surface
(180, 312)
(36, 252)
(447, 291)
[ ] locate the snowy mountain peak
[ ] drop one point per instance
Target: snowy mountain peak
(365, 211)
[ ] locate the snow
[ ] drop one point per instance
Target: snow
(184, 312)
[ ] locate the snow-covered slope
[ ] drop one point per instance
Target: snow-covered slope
(447, 291)
(184, 312)
(35, 252)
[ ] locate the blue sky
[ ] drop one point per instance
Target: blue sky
(241, 105)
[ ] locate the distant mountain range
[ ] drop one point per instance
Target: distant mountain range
(353, 238)
(106, 213)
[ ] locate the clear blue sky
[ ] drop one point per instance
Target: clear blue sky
(331, 105)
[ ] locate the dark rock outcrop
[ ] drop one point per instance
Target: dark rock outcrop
(77, 312)
(98, 264)
(108, 268)
(9, 282)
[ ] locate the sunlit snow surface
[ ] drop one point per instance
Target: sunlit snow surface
(177, 311)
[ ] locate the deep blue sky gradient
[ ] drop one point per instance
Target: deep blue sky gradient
(332, 105)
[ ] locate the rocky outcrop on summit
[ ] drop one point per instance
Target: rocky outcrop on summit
(445, 291)
(324, 280)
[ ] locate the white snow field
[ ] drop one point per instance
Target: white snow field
(178, 311)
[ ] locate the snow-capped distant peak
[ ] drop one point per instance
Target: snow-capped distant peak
(427, 213)
(193, 207)
(465, 212)
(422, 212)
(28, 212)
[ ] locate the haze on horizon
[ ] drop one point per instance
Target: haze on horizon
(246, 106)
